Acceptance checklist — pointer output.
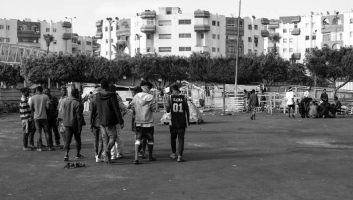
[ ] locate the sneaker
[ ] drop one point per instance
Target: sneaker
(113, 158)
(142, 155)
(136, 162)
(26, 149)
(98, 160)
(79, 156)
(173, 156)
(152, 159)
(66, 158)
(180, 159)
(39, 149)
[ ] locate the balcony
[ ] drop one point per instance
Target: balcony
(148, 28)
(265, 33)
(202, 14)
(75, 45)
(202, 28)
(66, 25)
(28, 34)
(265, 21)
(99, 23)
(148, 14)
(296, 56)
(99, 35)
(67, 36)
(296, 31)
(201, 49)
(75, 35)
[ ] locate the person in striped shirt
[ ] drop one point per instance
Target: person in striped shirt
(27, 121)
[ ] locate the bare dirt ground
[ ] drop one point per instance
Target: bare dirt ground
(228, 157)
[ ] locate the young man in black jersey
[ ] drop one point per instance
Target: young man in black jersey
(178, 107)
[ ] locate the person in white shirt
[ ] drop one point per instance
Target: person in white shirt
(290, 101)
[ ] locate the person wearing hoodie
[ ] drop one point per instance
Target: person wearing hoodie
(72, 120)
(109, 116)
(144, 105)
(98, 141)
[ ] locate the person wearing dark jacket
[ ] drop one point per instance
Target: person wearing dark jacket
(52, 114)
(98, 141)
(72, 120)
(253, 103)
(109, 116)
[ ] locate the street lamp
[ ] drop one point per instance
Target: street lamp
(72, 29)
(237, 56)
(110, 20)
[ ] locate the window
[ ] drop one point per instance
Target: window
(111, 40)
(284, 50)
(307, 37)
(111, 28)
(165, 49)
(218, 36)
(148, 49)
(165, 22)
(88, 43)
(217, 49)
(149, 36)
(295, 25)
(106, 53)
(106, 41)
(284, 30)
(256, 27)
(351, 34)
(184, 35)
(351, 20)
(184, 48)
(313, 37)
(284, 40)
(168, 11)
(217, 23)
(249, 39)
(290, 40)
(213, 23)
(326, 37)
(184, 21)
(54, 42)
(165, 36)
(290, 50)
(1, 26)
(249, 27)
(213, 49)
(202, 36)
(47, 30)
(213, 36)
(54, 30)
(249, 51)
(106, 28)
(8, 27)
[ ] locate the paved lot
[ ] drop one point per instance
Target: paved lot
(229, 157)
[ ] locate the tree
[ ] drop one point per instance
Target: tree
(119, 49)
(332, 65)
(48, 39)
(272, 68)
(10, 74)
(274, 38)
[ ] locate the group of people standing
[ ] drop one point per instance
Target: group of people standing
(43, 112)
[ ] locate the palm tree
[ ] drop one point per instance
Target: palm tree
(274, 38)
(48, 39)
(119, 48)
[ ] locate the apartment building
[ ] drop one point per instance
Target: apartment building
(82, 44)
(252, 39)
(62, 33)
(232, 36)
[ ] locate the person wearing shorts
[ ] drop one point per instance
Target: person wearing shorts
(144, 105)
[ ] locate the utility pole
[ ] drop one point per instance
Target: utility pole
(110, 20)
(237, 55)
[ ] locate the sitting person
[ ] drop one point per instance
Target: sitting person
(338, 105)
(324, 109)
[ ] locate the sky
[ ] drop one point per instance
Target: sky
(87, 12)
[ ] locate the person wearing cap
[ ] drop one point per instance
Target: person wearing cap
(290, 101)
(179, 109)
(144, 105)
